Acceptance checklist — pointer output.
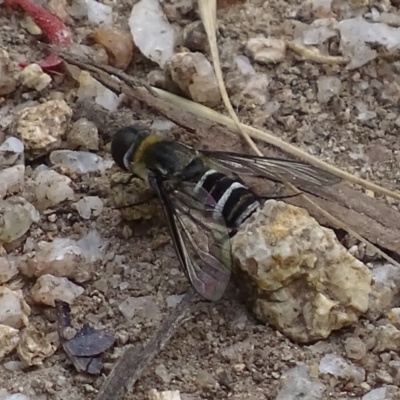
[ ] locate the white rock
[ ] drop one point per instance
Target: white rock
(32, 76)
(244, 65)
(266, 50)
(99, 13)
(14, 311)
(340, 368)
(49, 288)
(319, 31)
(151, 31)
(376, 394)
(11, 152)
(66, 258)
(81, 162)
(154, 394)
(7, 270)
(297, 383)
(16, 396)
(328, 86)
(89, 88)
(12, 180)
(9, 340)
(88, 206)
(53, 187)
(144, 307)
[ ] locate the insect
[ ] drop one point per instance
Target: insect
(203, 197)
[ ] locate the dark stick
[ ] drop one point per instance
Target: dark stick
(128, 369)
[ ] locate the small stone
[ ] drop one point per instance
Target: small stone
(84, 134)
(89, 206)
(49, 288)
(34, 347)
(7, 82)
(151, 31)
(66, 258)
(14, 311)
(118, 44)
(13, 366)
(244, 65)
(15, 396)
(266, 50)
(165, 395)
(29, 24)
(41, 127)
(319, 31)
(12, 180)
(297, 383)
(52, 187)
(195, 37)
(99, 13)
(174, 300)
(90, 89)
(11, 152)
(204, 379)
(328, 86)
(33, 77)
(15, 220)
(393, 315)
(340, 368)
(315, 287)
(387, 338)
(355, 348)
(162, 373)
(376, 394)
(364, 114)
(7, 270)
(195, 76)
(80, 162)
(9, 338)
(143, 307)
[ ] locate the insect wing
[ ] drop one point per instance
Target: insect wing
(275, 169)
(200, 237)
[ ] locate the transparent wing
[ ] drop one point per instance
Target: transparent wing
(275, 169)
(199, 234)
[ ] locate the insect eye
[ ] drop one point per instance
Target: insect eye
(126, 139)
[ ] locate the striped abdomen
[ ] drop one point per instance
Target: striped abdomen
(234, 200)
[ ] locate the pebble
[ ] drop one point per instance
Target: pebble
(14, 311)
(12, 180)
(11, 152)
(33, 77)
(84, 134)
(151, 31)
(154, 394)
(53, 187)
(34, 347)
(16, 220)
(89, 206)
(340, 368)
(297, 383)
(41, 127)
(266, 50)
(376, 394)
(64, 257)
(195, 76)
(7, 270)
(99, 13)
(143, 307)
(80, 162)
(328, 87)
(9, 339)
(387, 338)
(118, 44)
(355, 348)
(7, 83)
(49, 288)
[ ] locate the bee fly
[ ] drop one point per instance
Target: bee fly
(203, 197)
